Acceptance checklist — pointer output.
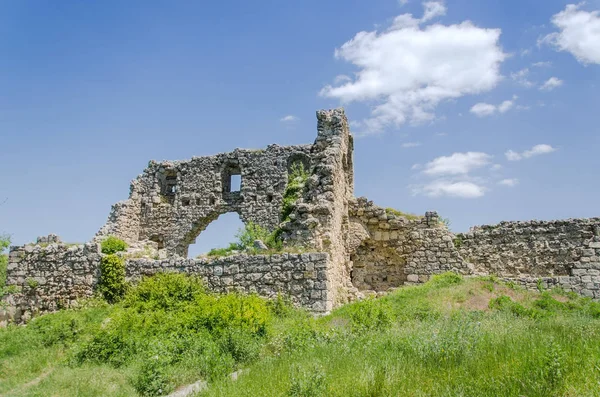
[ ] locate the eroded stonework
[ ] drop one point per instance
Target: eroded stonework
(354, 248)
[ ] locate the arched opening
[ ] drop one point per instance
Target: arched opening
(218, 234)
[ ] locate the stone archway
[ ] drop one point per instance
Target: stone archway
(196, 230)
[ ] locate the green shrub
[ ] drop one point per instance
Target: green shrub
(106, 347)
(112, 283)
(370, 314)
(445, 280)
(112, 245)
(307, 382)
(242, 346)
(4, 243)
(164, 291)
(151, 379)
(293, 191)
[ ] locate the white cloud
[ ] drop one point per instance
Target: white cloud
(289, 118)
(457, 163)
(521, 77)
(551, 83)
(403, 2)
(544, 64)
(341, 78)
(579, 33)
(543, 148)
(462, 189)
(483, 109)
(411, 144)
(511, 182)
(496, 167)
(407, 70)
(433, 9)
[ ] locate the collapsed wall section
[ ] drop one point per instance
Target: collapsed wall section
(388, 249)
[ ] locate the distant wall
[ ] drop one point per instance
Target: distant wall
(532, 248)
(54, 276)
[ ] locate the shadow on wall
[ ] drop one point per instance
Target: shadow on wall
(218, 234)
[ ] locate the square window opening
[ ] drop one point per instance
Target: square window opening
(235, 183)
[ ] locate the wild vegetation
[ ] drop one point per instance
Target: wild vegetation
(448, 337)
(4, 243)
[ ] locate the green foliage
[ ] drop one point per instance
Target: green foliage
(4, 244)
(152, 379)
(32, 283)
(112, 245)
(445, 280)
(307, 382)
(446, 222)
(245, 238)
(458, 240)
(293, 191)
(112, 283)
(407, 215)
(369, 315)
(164, 291)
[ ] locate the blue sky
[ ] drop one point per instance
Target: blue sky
(488, 120)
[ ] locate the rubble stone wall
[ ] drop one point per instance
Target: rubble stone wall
(535, 254)
(301, 277)
(54, 276)
(389, 250)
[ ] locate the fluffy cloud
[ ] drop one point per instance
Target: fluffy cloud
(407, 70)
(509, 182)
(438, 188)
(457, 163)
(551, 83)
(483, 109)
(579, 33)
(511, 155)
(521, 77)
(289, 118)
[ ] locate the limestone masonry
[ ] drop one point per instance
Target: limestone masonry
(354, 248)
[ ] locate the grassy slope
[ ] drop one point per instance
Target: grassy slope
(438, 339)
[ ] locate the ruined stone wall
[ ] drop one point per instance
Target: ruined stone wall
(49, 277)
(57, 275)
(532, 248)
(301, 277)
(389, 250)
(320, 217)
(173, 201)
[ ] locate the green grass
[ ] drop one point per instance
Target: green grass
(448, 337)
(407, 215)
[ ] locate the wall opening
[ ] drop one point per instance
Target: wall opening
(235, 183)
(218, 234)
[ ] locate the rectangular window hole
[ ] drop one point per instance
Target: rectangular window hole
(235, 183)
(269, 198)
(211, 201)
(185, 202)
(197, 201)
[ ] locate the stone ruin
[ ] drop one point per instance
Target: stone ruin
(352, 248)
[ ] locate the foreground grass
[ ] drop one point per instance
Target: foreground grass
(449, 337)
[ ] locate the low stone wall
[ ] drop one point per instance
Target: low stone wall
(48, 277)
(53, 276)
(533, 248)
(389, 250)
(302, 277)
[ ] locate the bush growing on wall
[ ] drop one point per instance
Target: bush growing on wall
(112, 283)
(112, 245)
(4, 243)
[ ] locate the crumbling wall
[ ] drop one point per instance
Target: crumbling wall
(388, 250)
(532, 248)
(301, 277)
(320, 217)
(172, 202)
(48, 277)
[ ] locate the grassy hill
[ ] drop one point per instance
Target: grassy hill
(448, 337)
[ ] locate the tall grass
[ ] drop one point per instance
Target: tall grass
(448, 337)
